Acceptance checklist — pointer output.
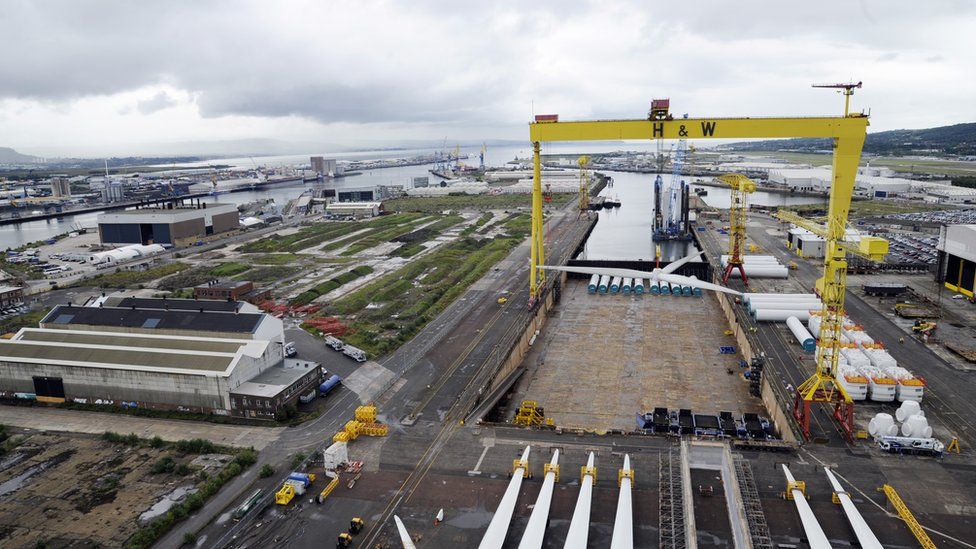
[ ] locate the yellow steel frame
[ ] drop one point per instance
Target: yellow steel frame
(584, 187)
(906, 515)
(740, 186)
(848, 133)
(873, 248)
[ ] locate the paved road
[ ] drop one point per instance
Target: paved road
(53, 419)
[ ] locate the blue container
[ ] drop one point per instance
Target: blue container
(329, 385)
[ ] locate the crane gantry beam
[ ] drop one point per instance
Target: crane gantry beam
(847, 132)
(872, 248)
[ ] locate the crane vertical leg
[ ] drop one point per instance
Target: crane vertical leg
(823, 385)
(534, 272)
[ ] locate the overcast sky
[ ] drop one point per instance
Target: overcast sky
(82, 77)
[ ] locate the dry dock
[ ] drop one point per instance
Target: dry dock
(603, 358)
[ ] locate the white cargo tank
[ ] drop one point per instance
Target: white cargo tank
(882, 387)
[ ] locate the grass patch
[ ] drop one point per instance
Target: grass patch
(275, 259)
(376, 237)
(474, 202)
(308, 296)
(417, 292)
(199, 275)
(131, 279)
(317, 233)
(274, 273)
(27, 320)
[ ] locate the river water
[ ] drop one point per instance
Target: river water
(625, 232)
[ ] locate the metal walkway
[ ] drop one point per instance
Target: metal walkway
(671, 503)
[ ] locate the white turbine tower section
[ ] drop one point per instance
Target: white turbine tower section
(815, 534)
(865, 536)
(495, 535)
(404, 536)
(623, 525)
(579, 527)
(535, 530)
(655, 276)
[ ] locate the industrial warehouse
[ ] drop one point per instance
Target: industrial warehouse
(957, 258)
(176, 224)
(189, 355)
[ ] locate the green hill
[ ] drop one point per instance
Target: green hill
(958, 139)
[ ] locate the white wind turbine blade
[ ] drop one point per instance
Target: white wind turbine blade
(622, 273)
(695, 283)
(674, 265)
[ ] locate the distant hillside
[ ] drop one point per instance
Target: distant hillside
(10, 156)
(957, 139)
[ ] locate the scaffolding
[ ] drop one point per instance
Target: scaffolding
(671, 503)
(529, 414)
(758, 529)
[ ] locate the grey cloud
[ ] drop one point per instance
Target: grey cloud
(158, 102)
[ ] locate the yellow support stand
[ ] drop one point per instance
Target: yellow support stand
(529, 414)
(341, 436)
(621, 475)
(328, 489)
(584, 470)
(906, 515)
(366, 414)
(285, 495)
(517, 463)
(796, 485)
(953, 445)
(548, 467)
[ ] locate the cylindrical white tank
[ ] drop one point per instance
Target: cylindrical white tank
(907, 409)
(627, 286)
(780, 315)
(749, 259)
(763, 271)
(801, 334)
(615, 284)
(665, 288)
(594, 284)
(604, 283)
(786, 305)
(881, 424)
(639, 286)
(757, 295)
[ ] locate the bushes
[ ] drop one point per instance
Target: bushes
(162, 465)
(196, 446)
(130, 439)
(123, 279)
(266, 471)
(309, 296)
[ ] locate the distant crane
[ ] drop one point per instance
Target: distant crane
(584, 187)
(481, 166)
(740, 186)
(848, 92)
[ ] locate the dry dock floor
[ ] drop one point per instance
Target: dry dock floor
(604, 358)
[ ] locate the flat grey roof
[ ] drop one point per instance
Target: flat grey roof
(276, 379)
(211, 305)
(14, 351)
(193, 321)
(129, 340)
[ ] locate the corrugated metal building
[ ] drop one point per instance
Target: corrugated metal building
(178, 226)
(957, 258)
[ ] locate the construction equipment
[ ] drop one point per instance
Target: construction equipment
(793, 266)
(502, 300)
(529, 414)
(848, 92)
(740, 187)
(356, 525)
(284, 495)
(924, 327)
(906, 515)
(584, 185)
(345, 540)
(872, 248)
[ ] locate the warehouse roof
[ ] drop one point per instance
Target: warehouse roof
(130, 340)
(274, 380)
(195, 321)
(176, 304)
(176, 354)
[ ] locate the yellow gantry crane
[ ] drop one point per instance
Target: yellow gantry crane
(740, 186)
(847, 132)
(872, 248)
(584, 185)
